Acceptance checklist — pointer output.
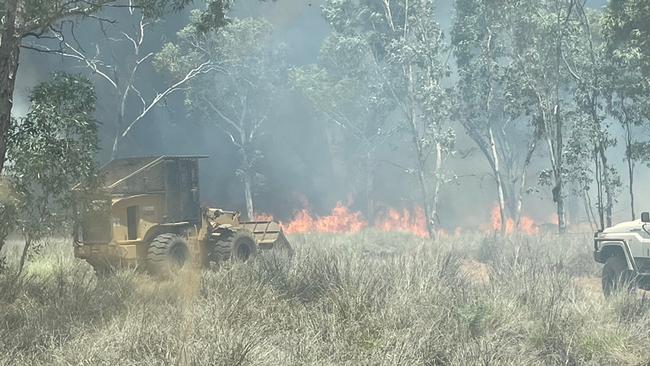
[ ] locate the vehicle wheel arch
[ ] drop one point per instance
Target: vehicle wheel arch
(173, 228)
(611, 249)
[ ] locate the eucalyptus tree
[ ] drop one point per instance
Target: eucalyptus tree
(540, 84)
(584, 58)
(50, 151)
(626, 52)
(22, 19)
(238, 95)
(348, 88)
(417, 59)
(407, 54)
(629, 104)
(483, 46)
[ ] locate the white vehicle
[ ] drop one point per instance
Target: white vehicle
(625, 251)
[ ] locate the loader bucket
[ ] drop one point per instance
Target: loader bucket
(268, 234)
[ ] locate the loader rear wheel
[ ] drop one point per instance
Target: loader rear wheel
(167, 254)
(237, 246)
(616, 276)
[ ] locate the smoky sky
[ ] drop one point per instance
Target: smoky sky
(299, 165)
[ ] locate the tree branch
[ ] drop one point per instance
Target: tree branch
(199, 70)
(73, 8)
(223, 116)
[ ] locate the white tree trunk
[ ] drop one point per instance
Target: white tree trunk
(9, 55)
(497, 177)
(522, 181)
(438, 183)
(248, 193)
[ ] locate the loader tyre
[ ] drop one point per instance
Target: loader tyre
(283, 248)
(238, 246)
(103, 271)
(616, 276)
(167, 254)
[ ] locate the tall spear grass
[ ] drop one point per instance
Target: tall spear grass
(365, 299)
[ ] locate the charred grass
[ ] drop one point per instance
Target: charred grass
(365, 299)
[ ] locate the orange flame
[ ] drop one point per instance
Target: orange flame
(302, 223)
(403, 221)
(526, 224)
(341, 220)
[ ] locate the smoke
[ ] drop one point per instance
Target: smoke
(300, 166)
(31, 72)
(297, 23)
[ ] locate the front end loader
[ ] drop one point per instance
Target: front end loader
(147, 215)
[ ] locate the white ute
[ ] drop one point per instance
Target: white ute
(625, 251)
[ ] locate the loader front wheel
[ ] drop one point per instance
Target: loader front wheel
(237, 246)
(167, 254)
(283, 248)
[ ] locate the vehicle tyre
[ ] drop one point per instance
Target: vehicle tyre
(283, 248)
(616, 276)
(238, 246)
(103, 271)
(167, 254)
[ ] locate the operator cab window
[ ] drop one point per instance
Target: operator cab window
(132, 222)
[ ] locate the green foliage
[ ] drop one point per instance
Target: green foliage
(626, 55)
(244, 75)
(640, 151)
(493, 105)
(627, 32)
(347, 85)
(383, 77)
(348, 88)
(419, 62)
(485, 55)
(214, 17)
(51, 150)
(159, 7)
(526, 71)
(43, 13)
(245, 66)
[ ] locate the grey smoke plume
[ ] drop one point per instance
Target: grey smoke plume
(298, 162)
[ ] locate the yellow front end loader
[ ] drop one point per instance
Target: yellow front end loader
(147, 215)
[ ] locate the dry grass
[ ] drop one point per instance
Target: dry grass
(365, 299)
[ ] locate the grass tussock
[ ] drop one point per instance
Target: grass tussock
(365, 299)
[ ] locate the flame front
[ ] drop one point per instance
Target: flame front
(343, 220)
(526, 224)
(395, 220)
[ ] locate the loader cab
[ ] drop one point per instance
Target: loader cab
(133, 216)
(140, 194)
